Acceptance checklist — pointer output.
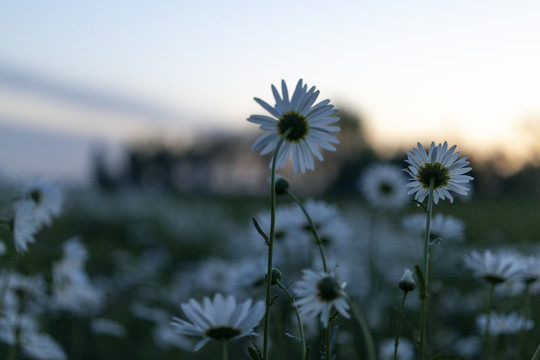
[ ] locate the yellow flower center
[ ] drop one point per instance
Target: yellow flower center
(222, 332)
(328, 289)
(435, 171)
(296, 121)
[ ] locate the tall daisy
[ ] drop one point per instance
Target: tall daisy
(318, 293)
(309, 124)
(440, 165)
(219, 319)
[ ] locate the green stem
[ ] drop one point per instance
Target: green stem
(424, 299)
(271, 244)
(224, 352)
(488, 321)
(328, 350)
(366, 333)
(398, 326)
(313, 229)
(298, 318)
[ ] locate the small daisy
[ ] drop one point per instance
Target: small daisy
(501, 324)
(310, 124)
(318, 292)
(384, 186)
(442, 226)
(24, 224)
(220, 319)
(441, 165)
(494, 268)
(48, 198)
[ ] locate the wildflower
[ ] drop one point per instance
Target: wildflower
(384, 187)
(220, 319)
(72, 288)
(48, 198)
(309, 124)
(318, 292)
(493, 268)
(440, 165)
(24, 224)
(500, 324)
(442, 226)
(406, 283)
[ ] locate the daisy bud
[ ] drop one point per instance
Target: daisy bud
(276, 276)
(282, 186)
(406, 283)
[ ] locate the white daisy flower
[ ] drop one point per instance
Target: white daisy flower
(48, 198)
(24, 224)
(494, 268)
(310, 126)
(220, 319)
(441, 165)
(442, 226)
(317, 293)
(384, 186)
(501, 324)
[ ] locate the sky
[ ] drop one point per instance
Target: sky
(105, 72)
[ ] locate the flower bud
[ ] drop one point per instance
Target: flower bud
(276, 276)
(406, 283)
(282, 185)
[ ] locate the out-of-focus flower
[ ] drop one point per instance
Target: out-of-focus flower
(309, 124)
(318, 293)
(442, 226)
(72, 289)
(405, 350)
(219, 319)
(384, 186)
(24, 224)
(48, 198)
(494, 268)
(103, 326)
(504, 324)
(440, 165)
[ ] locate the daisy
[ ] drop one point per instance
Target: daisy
(494, 268)
(500, 324)
(384, 187)
(442, 166)
(444, 227)
(48, 198)
(24, 224)
(318, 292)
(219, 319)
(310, 126)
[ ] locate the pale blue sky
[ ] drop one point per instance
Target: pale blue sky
(466, 71)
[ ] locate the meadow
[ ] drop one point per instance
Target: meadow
(148, 252)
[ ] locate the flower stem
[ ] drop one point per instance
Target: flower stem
(271, 243)
(224, 352)
(298, 318)
(328, 350)
(398, 326)
(312, 227)
(424, 299)
(488, 321)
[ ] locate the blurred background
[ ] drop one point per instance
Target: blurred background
(102, 92)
